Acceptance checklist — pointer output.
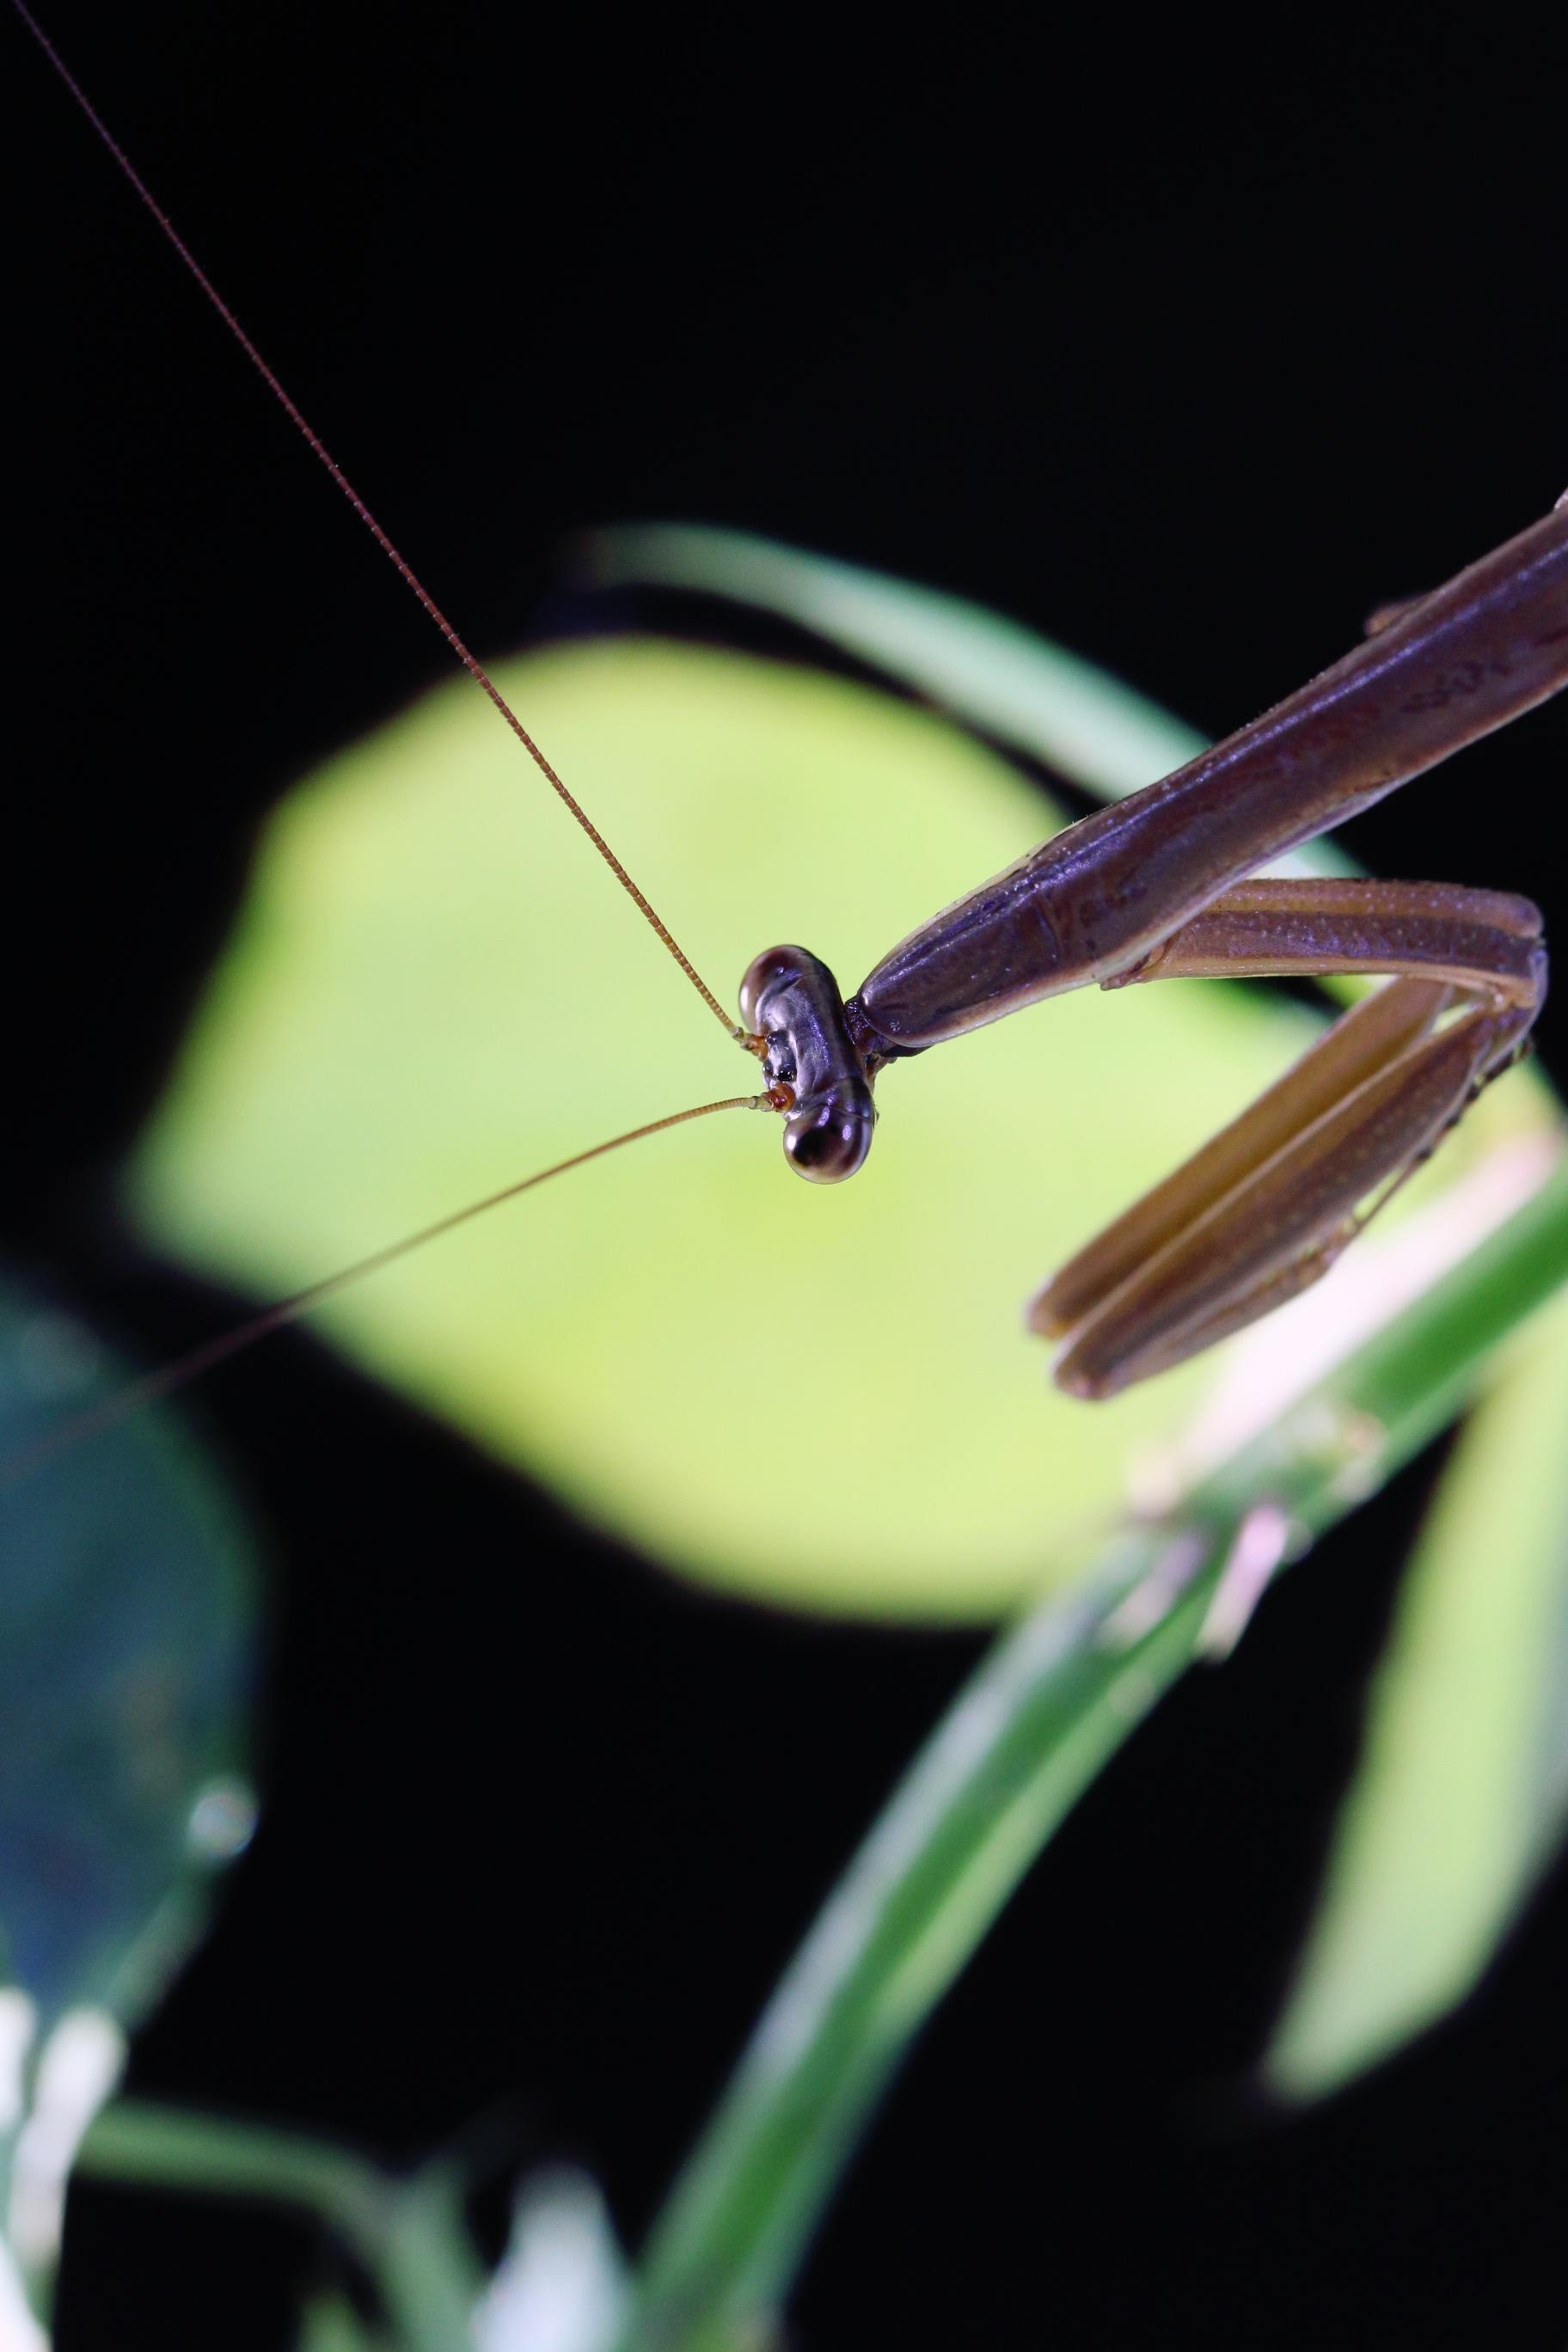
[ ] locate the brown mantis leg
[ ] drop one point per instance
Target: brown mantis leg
(1265, 1208)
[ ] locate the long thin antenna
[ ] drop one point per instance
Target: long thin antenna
(470, 661)
(136, 1394)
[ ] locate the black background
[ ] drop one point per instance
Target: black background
(1188, 358)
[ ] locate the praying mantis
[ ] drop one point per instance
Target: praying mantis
(1159, 888)
(1125, 1331)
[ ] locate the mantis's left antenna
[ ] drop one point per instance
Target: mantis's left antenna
(137, 1394)
(319, 448)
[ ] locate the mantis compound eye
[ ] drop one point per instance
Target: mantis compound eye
(827, 1135)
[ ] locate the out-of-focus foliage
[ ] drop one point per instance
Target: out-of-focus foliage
(125, 1637)
(1043, 1713)
(332, 2325)
(820, 1396)
(1015, 687)
(562, 2285)
(406, 2230)
(1463, 1788)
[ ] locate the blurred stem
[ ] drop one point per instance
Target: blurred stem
(1045, 1711)
(407, 2234)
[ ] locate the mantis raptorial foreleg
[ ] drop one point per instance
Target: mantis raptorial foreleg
(1264, 1208)
(1157, 887)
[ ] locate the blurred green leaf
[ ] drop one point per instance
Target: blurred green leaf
(332, 2325)
(435, 990)
(993, 674)
(1039, 1719)
(1462, 1791)
(1047, 1709)
(408, 2232)
(126, 1625)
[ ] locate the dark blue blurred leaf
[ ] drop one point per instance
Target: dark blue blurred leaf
(126, 1625)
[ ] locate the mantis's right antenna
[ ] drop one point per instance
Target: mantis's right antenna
(319, 448)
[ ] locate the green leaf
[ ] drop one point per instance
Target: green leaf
(332, 2325)
(1042, 1714)
(126, 1625)
(999, 677)
(993, 674)
(819, 1396)
(408, 2233)
(1045, 1711)
(1462, 1793)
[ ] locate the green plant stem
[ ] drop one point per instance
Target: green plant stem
(1045, 1712)
(407, 2233)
